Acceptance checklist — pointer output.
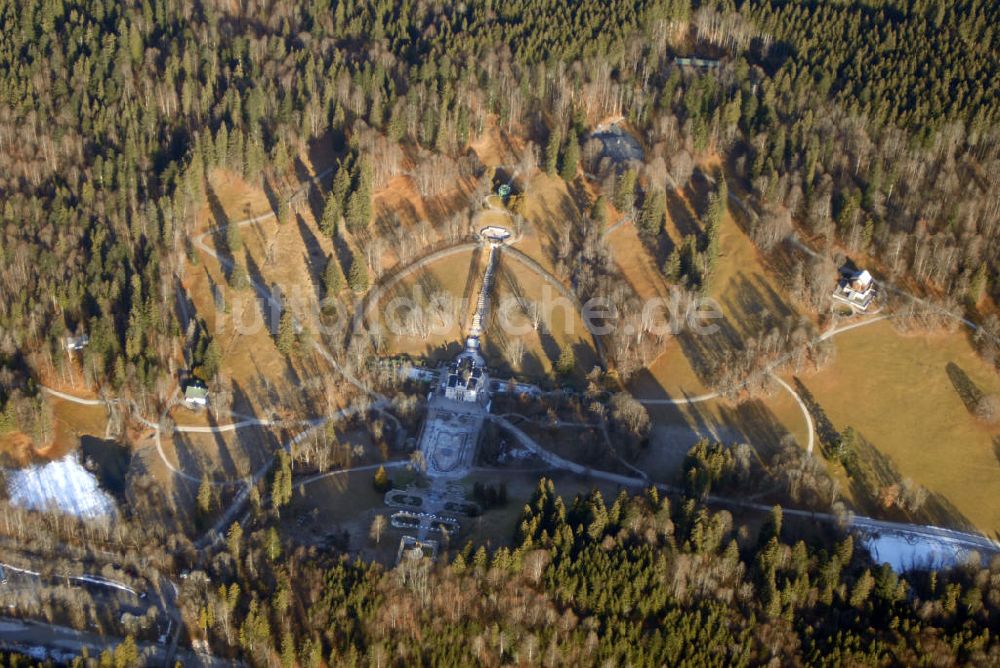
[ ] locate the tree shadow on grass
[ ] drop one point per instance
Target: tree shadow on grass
(827, 433)
(314, 257)
(967, 390)
(269, 309)
(549, 344)
(218, 233)
(313, 196)
(226, 463)
(219, 214)
(940, 511)
(875, 482)
(750, 310)
(185, 309)
(273, 198)
(685, 222)
(190, 460)
(263, 443)
(756, 421)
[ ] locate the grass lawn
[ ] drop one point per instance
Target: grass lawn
(495, 147)
(346, 502)
(72, 421)
(636, 263)
(561, 325)
(749, 295)
(223, 456)
(549, 209)
(455, 278)
(895, 390)
(459, 277)
(669, 376)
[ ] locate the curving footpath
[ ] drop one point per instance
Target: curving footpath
(771, 371)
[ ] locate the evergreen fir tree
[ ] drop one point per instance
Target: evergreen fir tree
(570, 159)
(281, 483)
(286, 333)
(672, 267)
(653, 214)
(205, 498)
(552, 152)
(234, 239)
(599, 212)
(339, 192)
(625, 190)
(238, 276)
(358, 277)
(333, 277)
(234, 541)
(331, 215)
(566, 363)
(359, 204)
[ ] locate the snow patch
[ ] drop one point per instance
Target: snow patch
(617, 143)
(63, 485)
(905, 552)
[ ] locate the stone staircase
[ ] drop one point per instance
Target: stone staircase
(481, 305)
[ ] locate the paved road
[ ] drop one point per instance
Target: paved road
(63, 644)
(26, 634)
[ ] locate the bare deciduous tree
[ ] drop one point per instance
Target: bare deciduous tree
(377, 528)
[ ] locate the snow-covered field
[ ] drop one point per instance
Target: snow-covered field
(904, 552)
(63, 485)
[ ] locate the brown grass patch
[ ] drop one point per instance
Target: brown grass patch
(895, 391)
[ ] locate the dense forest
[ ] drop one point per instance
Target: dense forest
(644, 580)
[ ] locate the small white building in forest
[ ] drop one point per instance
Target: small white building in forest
(196, 394)
(856, 288)
(76, 343)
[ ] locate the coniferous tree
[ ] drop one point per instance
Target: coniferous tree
(333, 277)
(359, 204)
(205, 498)
(570, 158)
(552, 152)
(381, 480)
(331, 215)
(281, 483)
(624, 198)
(653, 214)
(234, 541)
(234, 239)
(672, 267)
(339, 192)
(599, 212)
(566, 363)
(286, 333)
(358, 277)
